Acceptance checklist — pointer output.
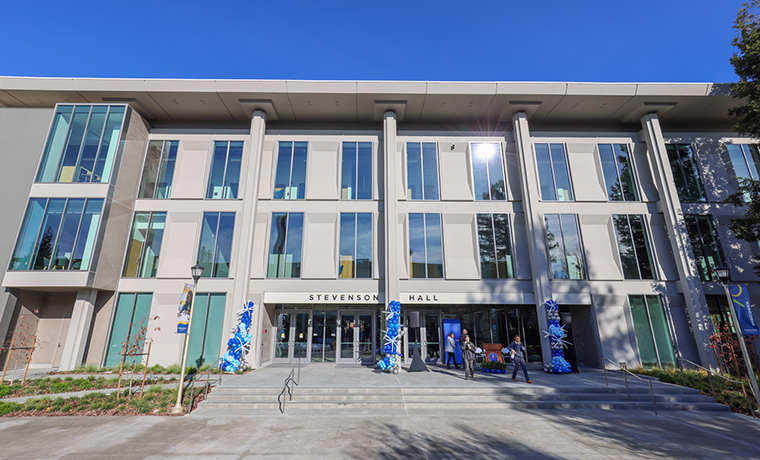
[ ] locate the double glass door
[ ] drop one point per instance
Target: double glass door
(325, 335)
(428, 336)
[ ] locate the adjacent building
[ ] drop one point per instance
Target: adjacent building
(323, 201)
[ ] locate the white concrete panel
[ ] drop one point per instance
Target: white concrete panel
(663, 253)
(268, 164)
(323, 181)
(320, 246)
(600, 246)
(586, 172)
(461, 252)
(521, 248)
(260, 249)
(179, 247)
(193, 160)
(455, 174)
(403, 247)
(647, 189)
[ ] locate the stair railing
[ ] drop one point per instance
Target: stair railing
(625, 376)
(709, 377)
(291, 380)
(197, 377)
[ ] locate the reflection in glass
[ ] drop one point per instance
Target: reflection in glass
(704, 243)
(346, 335)
(290, 178)
(132, 310)
(685, 174)
(158, 171)
(564, 245)
(22, 255)
(495, 246)
(54, 148)
(553, 174)
(65, 244)
(216, 244)
(425, 246)
(487, 170)
(355, 245)
(652, 332)
(618, 173)
(283, 335)
(48, 233)
(356, 171)
(633, 243)
(285, 244)
(224, 179)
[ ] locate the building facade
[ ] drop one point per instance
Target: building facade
(323, 201)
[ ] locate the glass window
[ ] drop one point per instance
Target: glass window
(290, 177)
(158, 170)
(285, 242)
(224, 179)
(422, 171)
(356, 171)
(57, 234)
(745, 159)
(81, 144)
(145, 245)
(131, 314)
(652, 332)
(719, 313)
(552, 172)
(487, 171)
(206, 332)
(215, 248)
(683, 164)
(425, 246)
(704, 243)
(564, 242)
(495, 246)
(633, 244)
(618, 172)
(355, 245)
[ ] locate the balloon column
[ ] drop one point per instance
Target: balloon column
(391, 348)
(556, 336)
(239, 345)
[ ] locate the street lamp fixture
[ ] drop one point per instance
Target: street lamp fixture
(196, 271)
(723, 273)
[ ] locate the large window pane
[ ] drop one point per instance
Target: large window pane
(495, 246)
(564, 245)
(643, 331)
(132, 310)
(48, 234)
(74, 143)
(744, 158)
(348, 172)
(282, 176)
(290, 179)
(232, 174)
(218, 166)
(685, 175)
(417, 246)
(633, 244)
(207, 246)
(414, 171)
(27, 237)
(545, 175)
(54, 148)
(158, 170)
(561, 176)
(364, 245)
(215, 247)
(704, 243)
(111, 139)
(618, 173)
(68, 234)
(425, 246)
(136, 244)
(364, 172)
(504, 260)
(153, 245)
(430, 170)
(488, 173)
(422, 171)
(88, 231)
(91, 144)
(355, 245)
(285, 245)
(145, 245)
(661, 331)
(487, 247)
(434, 246)
(347, 245)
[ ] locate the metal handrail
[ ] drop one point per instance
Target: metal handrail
(208, 384)
(625, 376)
(709, 377)
(290, 379)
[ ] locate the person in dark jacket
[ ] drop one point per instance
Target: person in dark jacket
(516, 352)
(461, 338)
(468, 358)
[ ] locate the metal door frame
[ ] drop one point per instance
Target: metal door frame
(357, 314)
(423, 336)
(291, 337)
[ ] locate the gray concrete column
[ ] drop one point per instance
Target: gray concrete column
(389, 208)
(534, 221)
(246, 237)
(79, 329)
(689, 280)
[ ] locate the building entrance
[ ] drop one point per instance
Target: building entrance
(428, 336)
(325, 334)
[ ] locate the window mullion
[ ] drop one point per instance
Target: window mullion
(424, 240)
(554, 179)
(158, 169)
(224, 175)
(422, 173)
(290, 175)
(356, 244)
(495, 247)
(216, 242)
(356, 174)
(284, 254)
(76, 238)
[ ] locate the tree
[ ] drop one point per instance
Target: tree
(746, 62)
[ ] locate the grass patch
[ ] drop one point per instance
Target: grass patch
(729, 393)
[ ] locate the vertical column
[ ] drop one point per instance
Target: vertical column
(534, 221)
(691, 285)
(389, 208)
(79, 329)
(246, 237)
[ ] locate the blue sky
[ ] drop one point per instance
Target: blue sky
(507, 40)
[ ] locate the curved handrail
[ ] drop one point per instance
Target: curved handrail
(197, 376)
(288, 380)
(712, 389)
(625, 374)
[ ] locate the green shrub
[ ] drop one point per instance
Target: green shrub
(157, 369)
(60, 387)
(6, 390)
(142, 406)
(8, 407)
(173, 369)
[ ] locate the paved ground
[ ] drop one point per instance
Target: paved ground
(389, 434)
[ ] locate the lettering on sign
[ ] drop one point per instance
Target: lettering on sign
(345, 297)
(423, 298)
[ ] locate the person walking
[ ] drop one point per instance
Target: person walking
(451, 351)
(516, 352)
(461, 338)
(468, 358)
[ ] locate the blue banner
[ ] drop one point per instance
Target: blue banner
(743, 309)
(183, 313)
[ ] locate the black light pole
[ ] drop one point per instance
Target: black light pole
(196, 271)
(723, 274)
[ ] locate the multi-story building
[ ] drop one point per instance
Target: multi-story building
(501, 195)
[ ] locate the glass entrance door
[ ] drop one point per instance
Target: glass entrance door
(293, 338)
(356, 332)
(428, 336)
(324, 336)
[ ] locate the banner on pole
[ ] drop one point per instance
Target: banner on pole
(183, 313)
(743, 309)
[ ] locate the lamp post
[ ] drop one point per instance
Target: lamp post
(196, 271)
(723, 274)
